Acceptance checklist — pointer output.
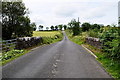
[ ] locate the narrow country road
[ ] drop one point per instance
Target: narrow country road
(63, 59)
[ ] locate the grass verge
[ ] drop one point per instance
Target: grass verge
(110, 65)
(5, 61)
(76, 39)
(6, 57)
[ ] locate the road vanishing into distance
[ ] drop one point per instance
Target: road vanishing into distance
(63, 59)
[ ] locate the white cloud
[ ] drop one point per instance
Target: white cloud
(53, 12)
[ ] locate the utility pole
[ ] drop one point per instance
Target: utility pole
(78, 19)
(79, 22)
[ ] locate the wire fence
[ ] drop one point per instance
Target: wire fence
(19, 43)
(7, 45)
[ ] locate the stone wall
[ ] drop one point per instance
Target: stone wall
(26, 42)
(94, 42)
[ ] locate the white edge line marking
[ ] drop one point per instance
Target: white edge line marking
(90, 51)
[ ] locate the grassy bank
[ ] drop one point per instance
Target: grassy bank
(110, 65)
(11, 55)
(47, 37)
(50, 36)
(79, 39)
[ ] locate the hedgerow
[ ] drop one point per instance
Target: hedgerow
(111, 42)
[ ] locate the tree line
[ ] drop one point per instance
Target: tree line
(53, 28)
(16, 23)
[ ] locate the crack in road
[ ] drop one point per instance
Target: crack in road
(63, 59)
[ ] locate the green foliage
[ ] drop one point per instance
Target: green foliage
(110, 65)
(56, 27)
(86, 26)
(60, 26)
(10, 54)
(34, 26)
(52, 27)
(48, 40)
(95, 26)
(93, 33)
(14, 22)
(65, 27)
(25, 29)
(76, 39)
(75, 27)
(111, 43)
(40, 27)
(110, 37)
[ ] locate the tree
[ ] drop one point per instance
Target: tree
(34, 26)
(65, 27)
(75, 26)
(22, 30)
(47, 28)
(40, 27)
(70, 25)
(52, 27)
(86, 26)
(56, 27)
(108, 26)
(60, 26)
(95, 26)
(14, 22)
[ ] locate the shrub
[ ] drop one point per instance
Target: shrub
(111, 43)
(93, 33)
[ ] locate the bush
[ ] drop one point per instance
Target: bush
(93, 33)
(111, 43)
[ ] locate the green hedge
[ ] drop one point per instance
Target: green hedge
(111, 42)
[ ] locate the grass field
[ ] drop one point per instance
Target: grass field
(45, 33)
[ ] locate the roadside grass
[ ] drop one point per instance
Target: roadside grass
(3, 62)
(25, 51)
(48, 38)
(79, 39)
(110, 65)
(45, 33)
(52, 36)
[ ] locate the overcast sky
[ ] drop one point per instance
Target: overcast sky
(54, 12)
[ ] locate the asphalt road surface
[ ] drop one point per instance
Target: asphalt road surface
(63, 59)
